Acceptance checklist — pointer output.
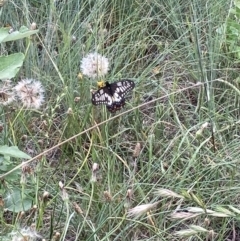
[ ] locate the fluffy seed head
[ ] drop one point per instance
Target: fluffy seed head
(6, 94)
(27, 233)
(94, 65)
(30, 92)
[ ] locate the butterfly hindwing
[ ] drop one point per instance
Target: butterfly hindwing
(112, 95)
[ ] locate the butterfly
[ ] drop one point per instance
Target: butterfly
(112, 94)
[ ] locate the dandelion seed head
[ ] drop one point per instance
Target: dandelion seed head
(28, 233)
(94, 65)
(30, 92)
(6, 94)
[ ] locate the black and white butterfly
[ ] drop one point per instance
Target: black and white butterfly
(112, 94)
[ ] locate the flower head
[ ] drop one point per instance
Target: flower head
(6, 93)
(30, 92)
(27, 233)
(94, 65)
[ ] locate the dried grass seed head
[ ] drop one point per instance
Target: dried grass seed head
(141, 209)
(137, 150)
(108, 197)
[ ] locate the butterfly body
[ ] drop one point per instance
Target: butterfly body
(112, 94)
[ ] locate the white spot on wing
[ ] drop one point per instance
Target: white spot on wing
(117, 97)
(109, 99)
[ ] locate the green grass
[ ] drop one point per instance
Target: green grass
(166, 47)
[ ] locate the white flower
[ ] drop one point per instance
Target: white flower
(30, 92)
(94, 65)
(6, 93)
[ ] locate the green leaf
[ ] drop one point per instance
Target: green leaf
(4, 32)
(16, 202)
(5, 164)
(23, 32)
(237, 3)
(9, 65)
(13, 176)
(13, 151)
(237, 52)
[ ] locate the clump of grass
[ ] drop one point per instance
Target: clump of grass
(157, 157)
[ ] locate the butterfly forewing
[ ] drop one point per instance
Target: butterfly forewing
(102, 96)
(122, 87)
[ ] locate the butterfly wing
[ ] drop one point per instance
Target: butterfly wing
(112, 95)
(122, 87)
(102, 97)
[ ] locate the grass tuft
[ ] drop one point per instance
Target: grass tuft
(163, 168)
